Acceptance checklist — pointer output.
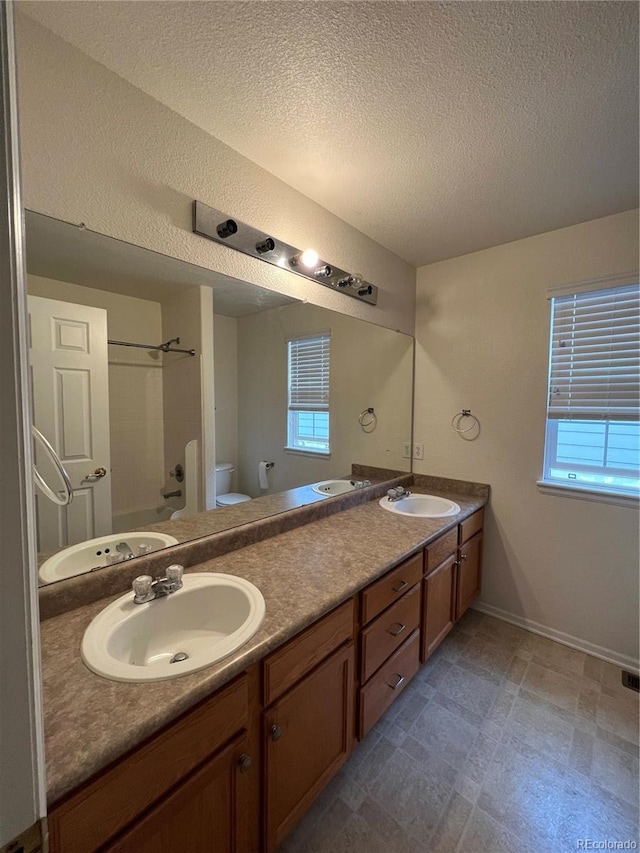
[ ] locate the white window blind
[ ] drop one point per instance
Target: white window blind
(595, 355)
(309, 373)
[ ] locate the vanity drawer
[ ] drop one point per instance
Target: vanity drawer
(391, 587)
(387, 684)
(388, 632)
(289, 664)
(439, 550)
(471, 525)
(93, 815)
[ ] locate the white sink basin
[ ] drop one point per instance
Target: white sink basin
(95, 553)
(333, 487)
(421, 506)
(208, 619)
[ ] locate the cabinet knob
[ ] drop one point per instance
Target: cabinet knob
(397, 629)
(276, 732)
(463, 556)
(402, 585)
(244, 763)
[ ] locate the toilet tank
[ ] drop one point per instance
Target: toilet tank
(224, 473)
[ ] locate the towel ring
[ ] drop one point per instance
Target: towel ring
(39, 479)
(373, 420)
(457, 419)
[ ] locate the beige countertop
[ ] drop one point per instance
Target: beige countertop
(302, 574)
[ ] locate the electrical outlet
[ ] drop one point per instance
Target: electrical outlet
(418, 451)
(406, 450)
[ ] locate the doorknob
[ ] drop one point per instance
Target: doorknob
(97, 474)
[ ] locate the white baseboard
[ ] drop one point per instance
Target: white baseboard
(623, 661)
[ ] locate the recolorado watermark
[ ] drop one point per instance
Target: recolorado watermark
(592, 844)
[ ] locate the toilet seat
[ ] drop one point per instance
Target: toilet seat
(231, 498)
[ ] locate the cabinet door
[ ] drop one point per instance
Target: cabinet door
(205, 814)
(439, 606)
(469, 573)
(308, 735)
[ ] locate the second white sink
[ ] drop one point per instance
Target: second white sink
(212, 616)
(333, 487)
(422, 506)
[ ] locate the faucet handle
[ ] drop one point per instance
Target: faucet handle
(142, 587)
(174, 573)
(392, 494)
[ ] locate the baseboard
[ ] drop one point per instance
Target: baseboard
(623, 661)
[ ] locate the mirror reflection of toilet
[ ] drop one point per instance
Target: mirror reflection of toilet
(224, 497)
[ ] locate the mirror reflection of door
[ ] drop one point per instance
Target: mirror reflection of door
(70, 384)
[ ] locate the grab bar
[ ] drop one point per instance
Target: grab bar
(39, 479)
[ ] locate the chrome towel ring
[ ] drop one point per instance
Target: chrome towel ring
(39, 480)
(457, 420)
(368, 425)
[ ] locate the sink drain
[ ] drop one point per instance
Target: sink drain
(179, 657)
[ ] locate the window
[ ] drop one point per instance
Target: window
(308, 417)
(593, 430)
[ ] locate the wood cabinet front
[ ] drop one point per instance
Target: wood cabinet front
(206, 814)
(438, 606)
(386, 633)
(469, 573)
(308, 735)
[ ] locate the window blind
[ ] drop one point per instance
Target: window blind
(309, 373)
(595, 355)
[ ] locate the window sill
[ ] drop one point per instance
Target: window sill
(296, 451)
(546, 487)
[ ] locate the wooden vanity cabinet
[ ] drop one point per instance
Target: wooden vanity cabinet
(172, 785)
(308, 721)
(206, 814)
(451, 581)
(389, 640)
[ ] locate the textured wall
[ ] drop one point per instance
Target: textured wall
(368, 367)
(98, 150)
(482, 333)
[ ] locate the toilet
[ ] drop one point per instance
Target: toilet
(224, 472)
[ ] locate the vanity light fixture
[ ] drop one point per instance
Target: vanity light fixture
(265, 246)
(218, 226)
(226, 229)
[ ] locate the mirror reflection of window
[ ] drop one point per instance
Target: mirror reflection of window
(308, 384)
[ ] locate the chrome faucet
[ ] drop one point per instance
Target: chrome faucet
(397, 494)
(125, 550)
(146, 588)
(360, 484)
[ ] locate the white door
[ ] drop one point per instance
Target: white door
(69, 373)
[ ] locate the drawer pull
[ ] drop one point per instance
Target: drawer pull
(244, 763)
(276, 732)
(463, 556)
(398, 682)
(402, 585)
(398, 630)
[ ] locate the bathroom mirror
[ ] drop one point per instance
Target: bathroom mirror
(149, 373)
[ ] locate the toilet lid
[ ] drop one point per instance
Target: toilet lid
(232, 498)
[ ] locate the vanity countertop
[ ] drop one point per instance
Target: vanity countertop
(302, 574)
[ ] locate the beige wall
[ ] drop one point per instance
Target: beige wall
(135, 394)
(370, 366)
(97, 150)
(225, 365)
(182, 384)
(482, 343)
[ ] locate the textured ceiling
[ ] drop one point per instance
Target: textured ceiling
(437, 129)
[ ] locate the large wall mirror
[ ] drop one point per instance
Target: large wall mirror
(181, 402)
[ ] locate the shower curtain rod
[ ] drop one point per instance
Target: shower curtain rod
(162, 347)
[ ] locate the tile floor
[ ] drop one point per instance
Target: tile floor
(504, 742)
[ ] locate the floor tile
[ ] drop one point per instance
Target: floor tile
(615, 771)
(448, 832)
(534, 726)
(619, 714)
(561, 690)
(445, 734)
(554, 655)
(483, 833)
